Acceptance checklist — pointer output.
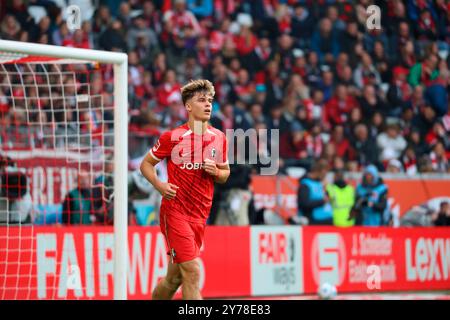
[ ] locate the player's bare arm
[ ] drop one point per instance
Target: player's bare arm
(220, 172)
(167, 190)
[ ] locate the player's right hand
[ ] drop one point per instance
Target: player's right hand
(168, 190)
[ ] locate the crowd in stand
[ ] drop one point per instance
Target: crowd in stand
(312, 69)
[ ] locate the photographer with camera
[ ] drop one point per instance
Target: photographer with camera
(371, 207)
(313, 201)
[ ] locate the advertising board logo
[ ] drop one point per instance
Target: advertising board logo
(274, 248)
(427, 259)
(276, 260)
(328, 258)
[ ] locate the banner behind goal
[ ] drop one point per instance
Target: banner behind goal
(63, 161)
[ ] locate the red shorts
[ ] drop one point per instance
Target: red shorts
(184, 238)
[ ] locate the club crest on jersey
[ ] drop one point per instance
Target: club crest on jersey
(213, 152)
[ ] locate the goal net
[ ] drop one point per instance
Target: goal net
(63, 167)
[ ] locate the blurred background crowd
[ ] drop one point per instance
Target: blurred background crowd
(311, 69)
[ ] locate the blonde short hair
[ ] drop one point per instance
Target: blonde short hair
(202, 85)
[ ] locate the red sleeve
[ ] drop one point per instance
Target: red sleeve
(163, 147)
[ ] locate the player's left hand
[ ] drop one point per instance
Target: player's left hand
(210, 167)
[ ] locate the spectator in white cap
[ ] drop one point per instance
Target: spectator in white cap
(394, 166)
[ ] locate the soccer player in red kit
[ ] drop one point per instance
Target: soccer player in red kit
(196, 156)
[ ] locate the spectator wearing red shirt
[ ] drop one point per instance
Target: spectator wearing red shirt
(291, 145)
(169, 87)
(78, 40)
(261, 54)
(341, 143)
(312, 144)
(179, 19)
(245, 41)
(338, 108)
(437, 133)
(283, 17)
(426, 26)
(223, 9)
(147, 89)
(203, 52)
(340, 65)
(61, 34)
(440, 158)
(135, 73)
(159, 68)
(4, 103)
(217, 37)
(314, 107)
(409, 160)
(244, 88)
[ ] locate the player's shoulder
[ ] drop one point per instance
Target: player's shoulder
(215, 131)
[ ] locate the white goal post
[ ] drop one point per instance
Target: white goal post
(120, 68)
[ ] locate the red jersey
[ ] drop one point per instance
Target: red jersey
(185, 153)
